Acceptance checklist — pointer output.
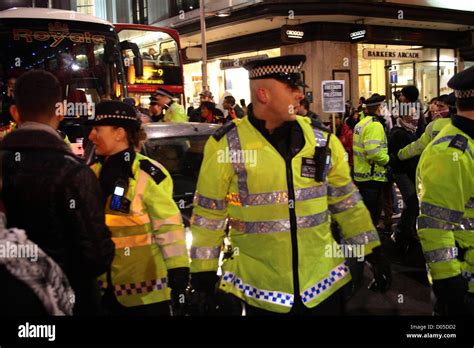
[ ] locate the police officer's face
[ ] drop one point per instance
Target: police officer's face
(162, 100)
(286, 100)
(108, 140)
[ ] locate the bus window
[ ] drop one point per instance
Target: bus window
(84, 56)
(161, 60)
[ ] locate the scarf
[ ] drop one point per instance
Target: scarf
(407, 123)
(39, 271)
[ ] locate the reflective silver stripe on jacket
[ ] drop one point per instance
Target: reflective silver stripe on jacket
(438, 255)
(470, 204)
(335, 191)
(248, 290)
(210, 224)
(173, 250)
(358, 154)
(278, 197)
(274, 226)
(373, 151)
(205, 253)
(233, 141)
(445, 214)
(346, 203)
(363, 238)
(466, 224)
(335, 275)
(209, 203)
(429, 222)
(449, 138)
(373, 142)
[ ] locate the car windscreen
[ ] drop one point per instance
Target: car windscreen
(182, 157)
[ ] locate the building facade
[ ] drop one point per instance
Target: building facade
(421, 43)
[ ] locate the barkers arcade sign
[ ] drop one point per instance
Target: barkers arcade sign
(390, 54)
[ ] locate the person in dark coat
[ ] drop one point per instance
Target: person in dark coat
(404, 174)
(205, 96)
(52, 194)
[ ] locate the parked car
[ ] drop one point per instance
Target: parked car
(179, 147)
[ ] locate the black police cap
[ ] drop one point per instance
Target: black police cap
(375, 99)
(286, 69)
(463, 84)
(115, 113)
(163, 92)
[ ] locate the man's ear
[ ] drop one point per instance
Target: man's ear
(263, 95)
(15, 114)
(122, 133)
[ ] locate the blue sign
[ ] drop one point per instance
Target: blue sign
(394, 76)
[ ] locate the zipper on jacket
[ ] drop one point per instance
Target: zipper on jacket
(293, 229)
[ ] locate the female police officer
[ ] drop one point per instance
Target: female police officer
(146, 224)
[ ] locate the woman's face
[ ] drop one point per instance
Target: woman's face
(108, 140)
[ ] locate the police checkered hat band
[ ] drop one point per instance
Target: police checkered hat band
(121, 117)
(273, 69)
(115, 113)
(464, 94)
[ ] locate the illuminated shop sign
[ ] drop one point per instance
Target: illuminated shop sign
(391, 54)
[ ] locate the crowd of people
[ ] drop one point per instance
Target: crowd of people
(112, 237)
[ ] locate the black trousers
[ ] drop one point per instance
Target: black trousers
(406, 228)
(333, 305)
(371, 192)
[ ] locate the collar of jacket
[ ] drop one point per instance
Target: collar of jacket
(280, 132)
(288, 139)
(464, 124)
(120, 164)
(34, 139)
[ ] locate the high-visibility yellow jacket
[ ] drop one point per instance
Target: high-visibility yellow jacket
(279, 217)
(445, 176)
(370, 150)
(416, 148)
(149, 239)
(175, 113)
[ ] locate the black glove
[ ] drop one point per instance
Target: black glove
(357, 274)
(178, 281)
(452, 295)
(380, 267)
(202, 294)
(394, 164)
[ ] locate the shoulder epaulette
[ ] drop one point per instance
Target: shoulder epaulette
(459, 142)
(155, 172)
(319, 125)
(218, 134)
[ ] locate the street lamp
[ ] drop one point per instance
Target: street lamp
(202, 14)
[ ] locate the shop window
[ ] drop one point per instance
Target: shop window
(427, 80)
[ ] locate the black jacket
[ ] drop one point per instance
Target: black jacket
(397, 140)
(57, 200)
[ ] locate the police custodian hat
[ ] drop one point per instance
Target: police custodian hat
(286, 69)
(375, 99)
(463, 84)
(115, 113)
